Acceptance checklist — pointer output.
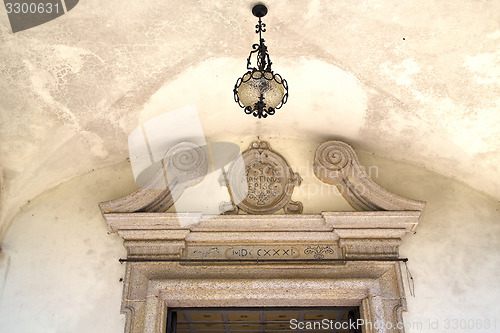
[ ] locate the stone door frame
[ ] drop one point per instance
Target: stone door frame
(189, 259)
(160, 274)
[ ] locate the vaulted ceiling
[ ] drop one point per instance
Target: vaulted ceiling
(417, 81)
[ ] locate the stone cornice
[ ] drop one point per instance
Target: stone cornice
(167, 235)
(325, 221)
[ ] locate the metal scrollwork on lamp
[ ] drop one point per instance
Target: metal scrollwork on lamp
(260, 92)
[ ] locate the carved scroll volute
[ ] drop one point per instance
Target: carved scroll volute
(336, 163)
(184, 165)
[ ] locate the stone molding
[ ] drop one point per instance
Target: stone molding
(267, 260)
(336, 163)
(151, 287)
(161, 235)
(375, 288)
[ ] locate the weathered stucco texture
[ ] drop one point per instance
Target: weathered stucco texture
(412, 81)
(59, 270)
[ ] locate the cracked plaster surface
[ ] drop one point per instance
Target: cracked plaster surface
(417, 82)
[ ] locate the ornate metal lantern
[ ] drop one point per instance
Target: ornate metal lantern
(260, 92)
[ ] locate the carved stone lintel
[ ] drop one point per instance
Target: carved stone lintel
(329, 235)
(151, 287)
(262, 184)
(184, 165)
(336, 163)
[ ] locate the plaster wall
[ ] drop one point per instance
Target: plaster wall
(417, 81)
(59, 269)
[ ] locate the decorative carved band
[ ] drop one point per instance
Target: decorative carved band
(336, 163)
(263, 251)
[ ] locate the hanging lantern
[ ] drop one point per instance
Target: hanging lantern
(260, 92)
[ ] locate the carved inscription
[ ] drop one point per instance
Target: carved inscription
(265, 183)
(206, 251)
(268, 183)
(263, 251)
(319, 251)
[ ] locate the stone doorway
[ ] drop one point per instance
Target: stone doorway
(264, 319)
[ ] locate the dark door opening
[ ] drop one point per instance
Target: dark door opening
(264, 319)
